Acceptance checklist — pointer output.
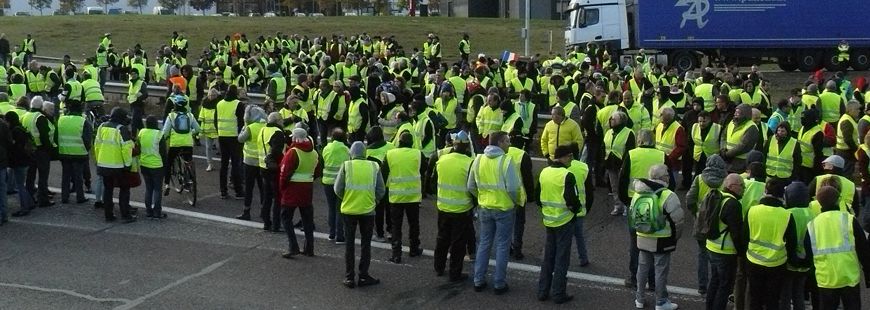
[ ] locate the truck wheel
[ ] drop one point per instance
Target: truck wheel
(832, 63)
(860, 60)
(787, 64)
(684, 61)
(809, 61)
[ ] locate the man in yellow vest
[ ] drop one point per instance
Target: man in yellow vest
(636, 165)
(797, 200)
(230, 119)
(404, 167)
(359, 185)
(586, 194)
(705, 182)
(152, 146)
(28, 47)
(38, 122)
(771, 242)
(113, 153)
(833, 167)
(276, 90)
(299, 167)
(812, 144)
(741, 136)
(724, 250)
(331, 107)
(671, 139)
(335, 153)
(454, 203)
(847, 136)
(618, 140)
(705, 137)
(839, 251)
(270, 150)
(255, 121)
(496, 185)
(75, 138)
(831, 104)
(559, 199)
(136, 95)
(559, 131)
(490, 118)
(523, 161)
(783, 156)
(358, 110)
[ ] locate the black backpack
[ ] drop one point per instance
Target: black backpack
(707, 223)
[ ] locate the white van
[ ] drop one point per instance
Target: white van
(94, 10)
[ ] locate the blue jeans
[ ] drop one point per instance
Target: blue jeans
(633, 253)
(721, 280)
(557, 257)
(153, 178)
(497, 227)
(3, 213)
(25, 200)
(98, 188)
(336, 225)
(581, 241)
(660, 264)
(72, 172)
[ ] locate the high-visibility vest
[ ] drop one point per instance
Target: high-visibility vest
(752, 192)
(518, 86)
(380, 153)
(665, 232)
(360, 179)
(657, 107)
(639, 117)
(16, 91)
(808, 154)
(29, 122)
(834, 256)
(489, 120)
(354, 118)
(447, 110)
(149, 145)
(724, 244)
(569, 108)
(809, 101)
(666, 137)
(192, 88)
(263, 148)
(616, 144)
(802, 217)
(841, 139)
(251, 149)
(288, 114)
(847, 192)
(734, 134)
(767, 235)
(830, 106)
(705, 91)
(35, 82)
(324, 105)
(781, 163)
(92, 90)
(755, 99)
(452, 170)
(404, 182)
(280, 88)
(580, 171)
(526, 111)
(489, 174)
(305, 169)
(227, 123)
(133, 91)
(69, 135)
(510, 122)
(206, 122)
(110, 151)
(642, 160)
(423, 122)
(308, 103)
(334, 154)
(554, 208)
(178, 139)
(708, 145)
(27, 46)
(403, 128)
(49, 83)
(516, 155)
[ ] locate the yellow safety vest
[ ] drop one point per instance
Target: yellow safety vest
(616, 145)
(69, 135)
(526, 111)
(447, 110)
(133, 91)
(781, 163)
(110, 150)
(263, 149)
(833, 244)
(404, 182)
(642, 160)
(554, 208)
(802, 217)
(841, 140)
(280, 88)
(705, 91)
(752, 193)
(227, 123)
(305, 169)
(734, 134)
(334, 154)
(92, 90)
(489, 120)
(180, 139)
(581, 172)
(516, 156)
(808, 154)
(847, 193)
(708, 145)
(360, 179)
(423, 121)
(149, 144)
(489, 175)
(830, 106)
(29, 122)
(354, 118)
(453, 196)
(767, 235)
(206, 122)
(251, 149)
(666, 137)
(724, 244)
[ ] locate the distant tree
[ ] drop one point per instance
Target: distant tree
(105, 4)
(326, 6)
(71, 6)
(171, 4)
(39, 4)
(139, 4)
(293, 4)
(381, 7)
(201, 5)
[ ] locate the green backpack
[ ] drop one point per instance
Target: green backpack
(646, 215)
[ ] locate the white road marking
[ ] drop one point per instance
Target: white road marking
(138, 301)
(386, 246)
(64, 291)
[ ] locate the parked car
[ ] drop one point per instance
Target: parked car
(22, 13)
(94, 10)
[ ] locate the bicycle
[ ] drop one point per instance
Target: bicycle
(183, 179)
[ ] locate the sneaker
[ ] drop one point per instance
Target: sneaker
(638, 304)
(366, 281)
(501, 290)
(209, 168)
(667, 306)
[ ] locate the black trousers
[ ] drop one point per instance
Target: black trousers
(452, 238)
(231, 157)
(307, 215)
(830, 299)
(252, 177)
(365, 223)
(382, 216)
(113, 178)
(688, 168)
(766, 286)
(185, 152)
(270, 210)
(397, 214)
(42, 167)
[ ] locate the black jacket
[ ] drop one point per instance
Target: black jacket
(6, 144)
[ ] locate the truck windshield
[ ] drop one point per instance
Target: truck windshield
(580, 17)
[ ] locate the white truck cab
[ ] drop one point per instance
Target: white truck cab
(600, 21)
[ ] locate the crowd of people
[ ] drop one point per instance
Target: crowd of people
(777, 215)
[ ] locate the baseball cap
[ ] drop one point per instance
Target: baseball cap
(835, 160)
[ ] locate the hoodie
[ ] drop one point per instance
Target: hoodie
(674, 215)
(511, 179)
(712, 176)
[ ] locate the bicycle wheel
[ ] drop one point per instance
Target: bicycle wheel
(177, 178)
(190, 191)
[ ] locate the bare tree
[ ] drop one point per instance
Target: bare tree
(39, 4)
(139, 4)
(105, 4)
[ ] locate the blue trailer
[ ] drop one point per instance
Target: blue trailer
(797, 34)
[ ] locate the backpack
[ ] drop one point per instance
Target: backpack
(707, 223)
(181, 124)
(646, 214)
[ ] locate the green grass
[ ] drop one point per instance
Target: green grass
(79, 35)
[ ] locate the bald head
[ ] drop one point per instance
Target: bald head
(734, 183)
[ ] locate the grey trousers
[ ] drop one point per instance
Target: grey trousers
(662, 264)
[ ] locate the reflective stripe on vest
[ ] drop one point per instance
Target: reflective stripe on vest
(149, 143)
(724, 244)
(554, 209)
(69, 135)
(841, 140)
(360, 179)
(734, 134)
(404, 182)
(833, 245)
(491, 187)
(767, 227)
(305, 169)
(334, 154)
(666, 138)
(250, 150)
(227, 123)
(264, 137)
(581, 172)
(808, 153)
(781, 163)
(707, 145)
(616, 145)
(452, 170)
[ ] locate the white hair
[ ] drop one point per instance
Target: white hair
(36, 102)
(659, 173)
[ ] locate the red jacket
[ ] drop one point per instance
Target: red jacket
(296, 194)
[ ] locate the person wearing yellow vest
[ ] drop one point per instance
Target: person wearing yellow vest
(572, 110)
(847, 136)
(670, 138)
(741, 136)
(770, 243)
(707, 91)
(582, 176)
(495, 183)
(783, 155)
(113, 153)
(425, 134)
(523, 161)
(331, 107)
(137, 92)
(358, 109)
(705, 140)
(92, 95)
(560, 201)
(812, 142)
(618, 140)
(705, 182)
(255, 121)
(489, 118)
(832, 167)
(270, 150)
(559, 131)
(838, 249)
(358, 185)
(230, 114)
(38, 122)
(639, 115)
(207, 118)
(636, 164)
(299, 167)
(797, 200)
(34, 79)
(403, 168)
(454, 203)
(74, 139)
(448, 106)
(723, 251)
(276, 90)
(831, 104)
(376, 151)
(152, 145)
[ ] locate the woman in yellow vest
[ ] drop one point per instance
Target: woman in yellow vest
(299, 167)
(152, 145)
(207, 119)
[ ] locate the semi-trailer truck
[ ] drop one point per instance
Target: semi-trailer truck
(797, 34)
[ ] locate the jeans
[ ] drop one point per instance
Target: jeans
(99, 188)
(452, 239)
(365, 223)
(3, 213)
(152, 178)
(398, 212)
(25, 200)
(519, 228)
(72, 171)
(613, 177)
(252, 177)
(741, 293)
(557, 257)
(792, 294)
(633, 254)
(723, 267)
(495, 228)
(829, 299)
(703, 265)
(208, 143)
(43, 167)
(270, 210)
(581, 240)
(116, 178)
(336, 225)
(136, 111)
(766, 284)
(661, 264)
(230, 160)
(307, 215)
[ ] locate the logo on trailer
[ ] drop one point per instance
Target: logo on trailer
(696, 12)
